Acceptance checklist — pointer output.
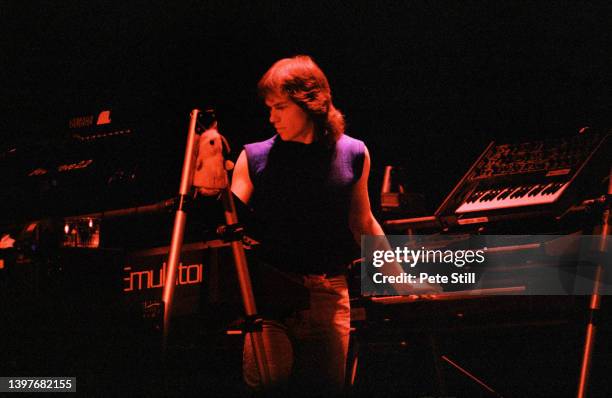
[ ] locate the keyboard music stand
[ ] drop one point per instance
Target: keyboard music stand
(595, 302)
(253, 324)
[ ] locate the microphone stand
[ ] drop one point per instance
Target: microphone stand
(232, 232)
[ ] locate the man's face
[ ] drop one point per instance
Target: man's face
(289, 120)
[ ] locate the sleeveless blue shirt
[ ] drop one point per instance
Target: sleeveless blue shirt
(301, 201)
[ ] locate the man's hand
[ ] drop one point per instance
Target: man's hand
(417, 289)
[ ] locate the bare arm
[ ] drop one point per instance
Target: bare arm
(241, 182)
(362, 222)
(361, 219)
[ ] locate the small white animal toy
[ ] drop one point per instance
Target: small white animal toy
(210, 174)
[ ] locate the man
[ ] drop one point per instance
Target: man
(308, 188)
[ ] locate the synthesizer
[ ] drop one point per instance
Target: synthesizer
(530, 176)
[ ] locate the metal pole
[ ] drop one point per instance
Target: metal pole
(595, 304)
(178, 230)
(246, 290)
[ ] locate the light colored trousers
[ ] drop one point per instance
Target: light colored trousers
(307, 351)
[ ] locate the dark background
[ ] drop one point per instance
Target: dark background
(425, 84)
